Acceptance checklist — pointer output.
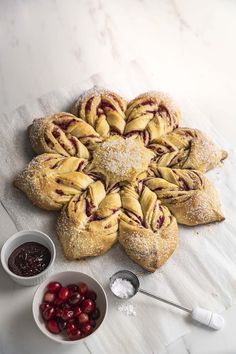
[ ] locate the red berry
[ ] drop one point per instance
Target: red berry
(83, 318)
(92, 323)
(70, 327)
(77, 311)
(83, 288)
(87, 329)
(58, 312)
(67, 314)
(95, 314)
(53, 327)
(73, 288)
(44, 306)
(87, 306)
(75, 299)
(82, 298)
(54, 287)
(90, 294)
(64, 306)
(48, 313)
(61, 324)
(64, 293)
(58, 301)
(75, 334)
(49, 297)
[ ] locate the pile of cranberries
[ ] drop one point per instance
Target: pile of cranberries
(71, 309)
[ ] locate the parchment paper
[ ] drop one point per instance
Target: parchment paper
(202, 270)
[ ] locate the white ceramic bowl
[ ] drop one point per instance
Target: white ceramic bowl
(66, 278)
(18, 239)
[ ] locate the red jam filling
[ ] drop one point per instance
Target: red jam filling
(29, 259)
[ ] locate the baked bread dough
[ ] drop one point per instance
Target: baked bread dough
(121, 171)
(64, 134)
(188, 194)
(151, 115)
(88, 225)
(51, 180)
(120, 159)
(103, 110)
(187, 148)
(148, 232)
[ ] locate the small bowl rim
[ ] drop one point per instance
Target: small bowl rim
(52, 336)
(23, 233)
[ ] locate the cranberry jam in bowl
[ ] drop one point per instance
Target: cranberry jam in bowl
(69, 307)
(28, 257)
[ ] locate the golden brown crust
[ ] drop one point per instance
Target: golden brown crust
(118, 159)
(50, 180)
(148, 249)
(104, 110)
(151, 115)
(189, 195)
(64, 134)
(187, 148)
(148, 232)
(88, 225)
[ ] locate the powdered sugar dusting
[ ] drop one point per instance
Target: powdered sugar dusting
(122, 156)
(94, 91)
(127, 309)
(160, 96)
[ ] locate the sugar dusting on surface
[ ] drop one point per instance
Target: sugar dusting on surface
(94, 91)
(160, 97)
(121, 156)
(127, 309)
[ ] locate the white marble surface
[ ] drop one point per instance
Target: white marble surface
(181, 46)
(188, 44)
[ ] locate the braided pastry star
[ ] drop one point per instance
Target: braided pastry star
(121, 171)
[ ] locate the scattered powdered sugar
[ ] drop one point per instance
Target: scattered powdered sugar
(127, 309)
(161, 97)
(121, 156)
(122, 288)
(94, 91)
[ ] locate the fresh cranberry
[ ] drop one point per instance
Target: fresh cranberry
(75, 334)
(70, 327)
(71, 320)
(48, 313)
(83, 288)
(58, 301)
(87, 329)
(90, 294)
(61, 324)
(54, 287)
(64, 293)
(77, 311)
(64, 306)
(87, 306)
(44, 306)
(83, 318)
(58, 312)
(67, 314)
(53, 327)
(73, 288)
(49, 297)
(71, 308)
(95, 314)
(75, 299)
(92, 323)
(82, 299)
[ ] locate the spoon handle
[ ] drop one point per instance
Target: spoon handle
(165, 301)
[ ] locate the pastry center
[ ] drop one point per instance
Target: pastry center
(120, 159)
